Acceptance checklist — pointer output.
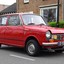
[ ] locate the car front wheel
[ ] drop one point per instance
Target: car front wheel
(32, 47)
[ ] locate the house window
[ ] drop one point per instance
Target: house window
(26, 1)
(49, 13)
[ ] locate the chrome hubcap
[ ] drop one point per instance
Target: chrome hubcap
(31, 49)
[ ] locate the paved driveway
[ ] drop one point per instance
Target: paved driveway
(13, 55)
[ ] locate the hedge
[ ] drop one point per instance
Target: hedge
(54, 24)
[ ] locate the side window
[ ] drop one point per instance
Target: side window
(3, 21)
(14, 21)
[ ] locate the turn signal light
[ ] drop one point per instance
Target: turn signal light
(54, 37)
(51, 40)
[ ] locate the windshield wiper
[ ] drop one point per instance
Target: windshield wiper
(31, 24)
(41, 24)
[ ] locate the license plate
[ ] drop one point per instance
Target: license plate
(59, 43)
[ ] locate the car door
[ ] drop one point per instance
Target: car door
(3, 21)
(15, 31)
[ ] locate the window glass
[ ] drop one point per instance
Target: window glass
(49, 13)
(14, 20)
(33, 20)
(26, 1)
(3, 20)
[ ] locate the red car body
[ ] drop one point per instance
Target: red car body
(18, 35)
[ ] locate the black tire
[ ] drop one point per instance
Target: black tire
(35, 48)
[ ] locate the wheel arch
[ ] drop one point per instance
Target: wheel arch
(31, 37)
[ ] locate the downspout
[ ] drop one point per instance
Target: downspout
(17, 2)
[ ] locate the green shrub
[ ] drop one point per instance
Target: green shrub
(54, 24)
(61, 24)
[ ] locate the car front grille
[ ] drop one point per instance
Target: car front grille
(60, 36)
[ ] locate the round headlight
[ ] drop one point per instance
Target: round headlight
(48, 34)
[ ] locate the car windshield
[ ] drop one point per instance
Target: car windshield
(33, 20)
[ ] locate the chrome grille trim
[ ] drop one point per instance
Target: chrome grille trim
(59, 36)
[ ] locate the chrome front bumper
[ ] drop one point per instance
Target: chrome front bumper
(50, 44)
(60, 46)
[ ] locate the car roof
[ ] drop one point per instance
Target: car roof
(16, 14)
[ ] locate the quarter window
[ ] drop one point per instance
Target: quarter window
(14, 21)
(3, 21)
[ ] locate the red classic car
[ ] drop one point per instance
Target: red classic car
(30, 32)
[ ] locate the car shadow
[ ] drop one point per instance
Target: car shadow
(14, 49)
(22, 51)
(49, 54)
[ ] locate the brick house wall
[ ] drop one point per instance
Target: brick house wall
(35, 5)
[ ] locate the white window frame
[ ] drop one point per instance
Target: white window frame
(41, 10)
(26, 1)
